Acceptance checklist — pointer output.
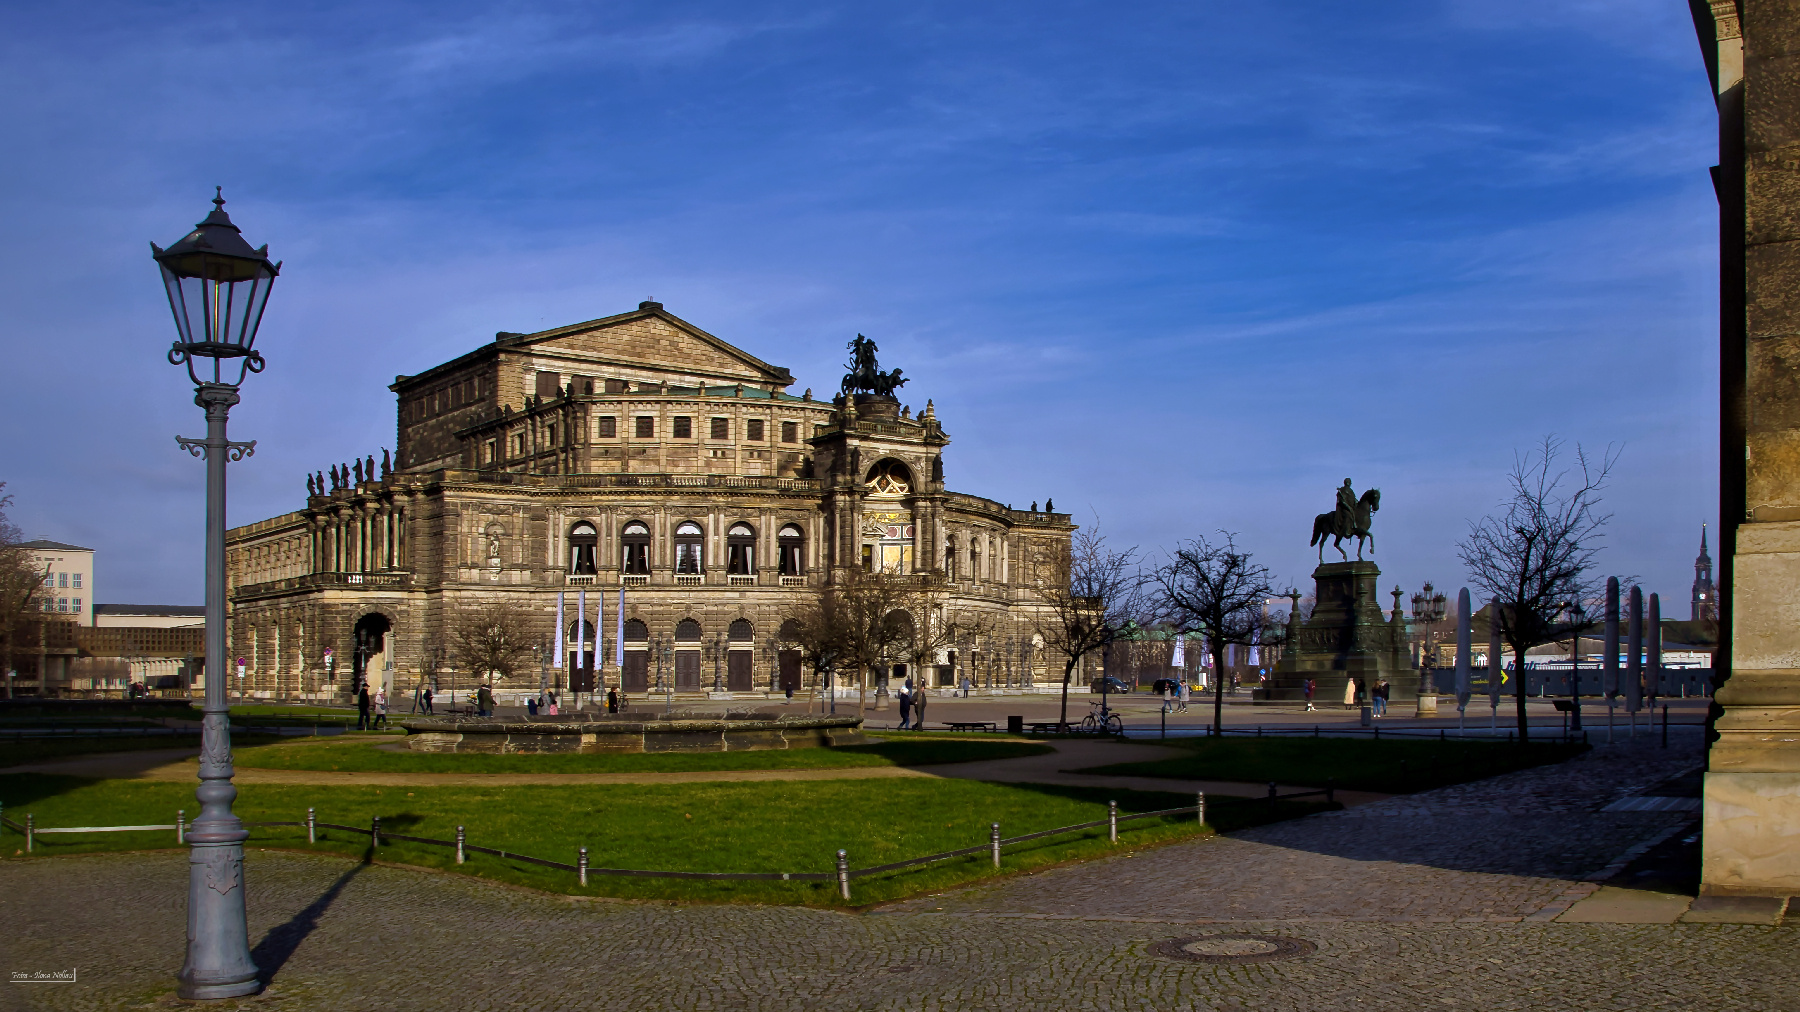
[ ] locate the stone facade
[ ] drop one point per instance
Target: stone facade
(1752, 804)
(635, 453)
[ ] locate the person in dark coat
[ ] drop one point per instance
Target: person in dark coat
(612, 700)
(362, 708)
(427, 699)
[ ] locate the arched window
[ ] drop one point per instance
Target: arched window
(790, 631)
(741, 631)
(581, 646)
(583, 540)
(791, 545)
(890, 479)
(634, 544)
(950, 557)
(740, 550)
(687, 631)
(690, 555)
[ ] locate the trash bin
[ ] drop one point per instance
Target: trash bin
(1366, 717)
(1015, 725)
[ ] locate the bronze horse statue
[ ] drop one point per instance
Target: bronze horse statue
(1334, 525)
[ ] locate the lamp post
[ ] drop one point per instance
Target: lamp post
(666, 657)
(1428, 608)
(1578, 620)
(217, 287)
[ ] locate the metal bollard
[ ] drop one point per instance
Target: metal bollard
(1665, 740)
(1331, 790)
(181, 825)
(459, 845)
(844, 874)
(1271, 795)
(312, 835)
(994, 838)
(1200, 805)
(1112, 821)
(581, 866)
(30, 831)
(375, 831)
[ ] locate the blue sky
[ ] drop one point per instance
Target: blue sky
(1182, 267)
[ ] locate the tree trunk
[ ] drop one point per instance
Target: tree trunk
(1068, 671)
(1519, 694)
(1218, 654)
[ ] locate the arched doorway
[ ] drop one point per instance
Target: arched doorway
(740, 653)
(789, 657)
(370, 657)
(687, 655)
(635, 675)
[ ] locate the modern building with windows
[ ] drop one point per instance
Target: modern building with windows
(635, 457)
(68, 579)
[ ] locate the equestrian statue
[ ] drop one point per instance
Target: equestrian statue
(865, 373)
(1349, 520)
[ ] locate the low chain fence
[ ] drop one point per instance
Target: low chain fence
(581, 869)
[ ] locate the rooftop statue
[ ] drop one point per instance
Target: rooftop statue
(865, 373)
(1349, 519)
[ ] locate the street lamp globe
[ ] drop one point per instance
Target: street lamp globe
(217, 287)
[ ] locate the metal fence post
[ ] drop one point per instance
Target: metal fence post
(311, 827)
(581, 866)
(1200, 805)
(30, 831)
(1112, 820)
(844, 874)
(994, 837)
(375, 831)
(1331, 788)
(459, 845)
(180, 825)
(1271, 795)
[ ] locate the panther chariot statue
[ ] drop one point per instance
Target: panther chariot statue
(865, 373)
(1349, 520)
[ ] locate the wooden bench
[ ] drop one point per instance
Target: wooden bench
(971, 725)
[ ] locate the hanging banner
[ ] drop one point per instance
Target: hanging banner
(619, 636)
(583, 659)
(1255, 647)
(1180, 658)
(556, 657)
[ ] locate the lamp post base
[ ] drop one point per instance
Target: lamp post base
(193, 991)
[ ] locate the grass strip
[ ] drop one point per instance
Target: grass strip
(359, 756)
(1388, 766)
(732, 827)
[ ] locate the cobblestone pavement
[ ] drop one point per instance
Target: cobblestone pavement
(1411, 903)
(338, 936)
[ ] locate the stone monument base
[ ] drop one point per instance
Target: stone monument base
(1346, 638)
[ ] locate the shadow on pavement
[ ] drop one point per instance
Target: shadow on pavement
(276, 947)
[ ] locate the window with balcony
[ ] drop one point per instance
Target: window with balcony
(790, 544)
(584, 541)
(634, 549)
(690, 544)
(740, 550)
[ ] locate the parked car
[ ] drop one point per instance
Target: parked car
(1110, 684)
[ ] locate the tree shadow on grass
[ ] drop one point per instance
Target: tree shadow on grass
(281, 941)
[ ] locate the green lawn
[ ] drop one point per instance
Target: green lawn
(784, 826)
(359, 756)
(1389, 766)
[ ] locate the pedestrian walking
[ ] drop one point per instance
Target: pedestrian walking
(1381, 697)
(919, 699)
(906, 705)
(612, 700)
(428, 699)
(1168, 695)
(1310, 686)
(1183, 696)
(484, 702)
(1350, 692)
(531, 707)
(554, 709)
(362, 708)
(380, 709)
(967, 686)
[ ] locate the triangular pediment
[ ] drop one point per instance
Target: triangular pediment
(647, 339)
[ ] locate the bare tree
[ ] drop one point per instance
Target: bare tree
(868, 632)
(493, 639)
(21, 584)
(1087, 595)
(934, 629)
(1537, 554)
(1218, 591)
(818, 634)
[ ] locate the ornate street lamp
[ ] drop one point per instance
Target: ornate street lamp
(217, 287)
(1429, 608)
(1577, 621)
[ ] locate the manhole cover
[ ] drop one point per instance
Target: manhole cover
(1228, 948)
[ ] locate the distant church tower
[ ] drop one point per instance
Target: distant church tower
(1705, 605)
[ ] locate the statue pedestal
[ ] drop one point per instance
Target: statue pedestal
(1347, 637)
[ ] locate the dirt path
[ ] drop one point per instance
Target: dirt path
(1049, 768)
